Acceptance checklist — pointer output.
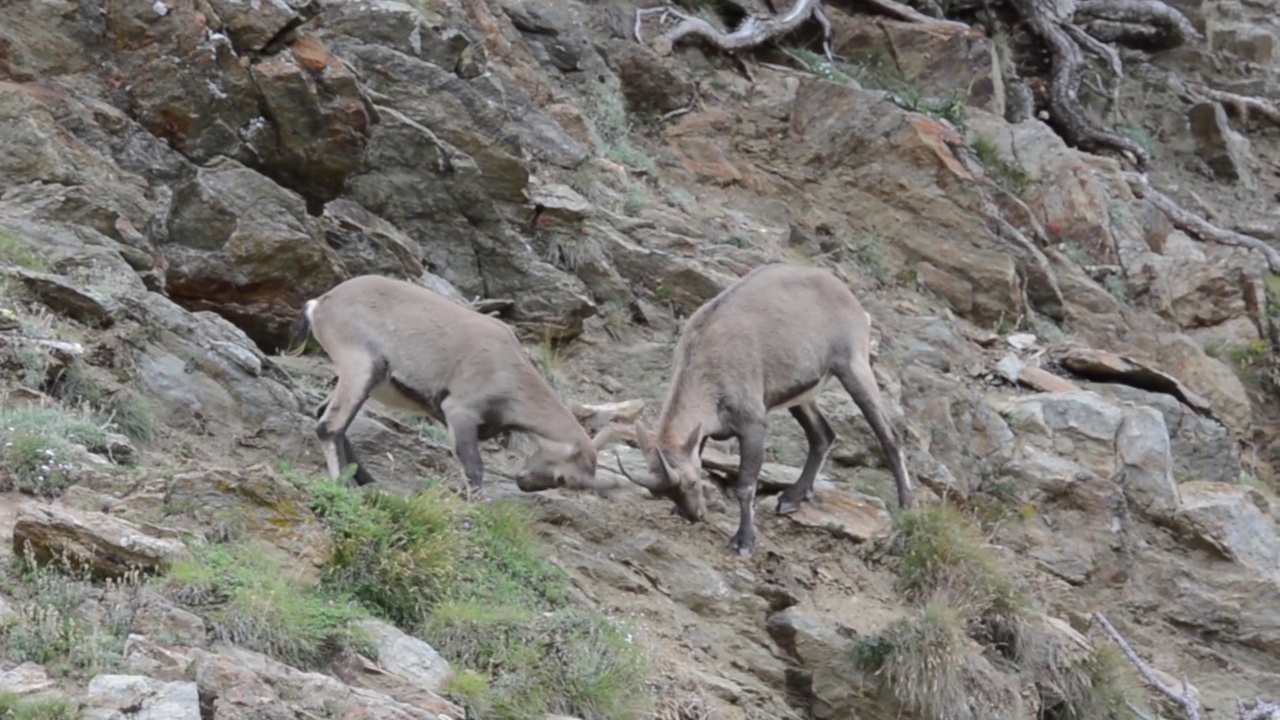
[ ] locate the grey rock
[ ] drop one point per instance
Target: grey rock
(121, 697)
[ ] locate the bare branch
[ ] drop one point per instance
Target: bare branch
(1197, 226)
(1190, 707)
(1243, 105)
(1064, 83)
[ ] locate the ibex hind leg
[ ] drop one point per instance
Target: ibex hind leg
(357, 378)
(820, 436)
(860, 382)
(346, 454)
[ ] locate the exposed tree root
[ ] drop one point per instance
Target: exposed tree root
(1197, 226)
(1144, 24)
(1046, 18)
(751, 33)
(1244, 106)
(1182, 697)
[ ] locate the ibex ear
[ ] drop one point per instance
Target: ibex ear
(692, 443)
(602, 438)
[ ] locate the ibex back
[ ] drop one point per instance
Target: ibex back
(410, 348)
(772, 340)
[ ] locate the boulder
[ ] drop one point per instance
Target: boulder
(116, 697)
(111, 546)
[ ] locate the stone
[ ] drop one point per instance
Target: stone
(156, 617)
(238, 683)
(27, 678)
(903, 165)
(1224, 150)
(247, 249)
(117, 697)
(199, 96)
(650, 83)
(143, 656)
(407, 656)
(1108, 367)
(321, 117)
(936, 60)
(258, 502)
(85, 305)
(1209, 377)
(368, 245)
(844, 514)
(1234, 521)
(251, 26)
(111, 546)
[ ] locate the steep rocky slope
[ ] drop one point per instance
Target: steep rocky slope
(1089, 384)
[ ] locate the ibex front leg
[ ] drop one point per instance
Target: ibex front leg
(751, 459)
(465, 428)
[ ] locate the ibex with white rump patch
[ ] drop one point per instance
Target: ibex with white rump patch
(410, 348)
(772, 340)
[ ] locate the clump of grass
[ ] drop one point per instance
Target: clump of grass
(14, 252)
(920, 662)
(568, 661)
(1008, 176)
(249, 599)
(547, 359)
(35, 448)
(54, 628)
(128, 413)
(1102, 685)
(473, 578)
(16, 707)
(943, 551)
(393, 554)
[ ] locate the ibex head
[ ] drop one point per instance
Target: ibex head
(673, 471)
(569, 465)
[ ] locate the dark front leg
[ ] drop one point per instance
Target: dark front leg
(751, 459)
(820, 436)
(466, 445)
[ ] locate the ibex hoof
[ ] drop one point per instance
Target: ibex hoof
(744, 548)
(786, 507)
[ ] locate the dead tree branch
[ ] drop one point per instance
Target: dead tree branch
(1197, 226)
(1190, 707)
(1260, 711)
(1048, 20)
(1244, 106)
(1143, 24)
(756, 30)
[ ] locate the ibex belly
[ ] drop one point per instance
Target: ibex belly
(800, 396)
(396, 395)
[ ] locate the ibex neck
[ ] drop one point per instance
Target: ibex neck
(683, 414)
(544, 416)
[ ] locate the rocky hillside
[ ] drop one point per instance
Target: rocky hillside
(1058, 215)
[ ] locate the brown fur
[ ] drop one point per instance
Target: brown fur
(767, 342)
(409, 347)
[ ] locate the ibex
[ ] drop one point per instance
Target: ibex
(771, 340)
(410, 348)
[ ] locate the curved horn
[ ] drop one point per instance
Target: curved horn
(649, 483)
(603, 437)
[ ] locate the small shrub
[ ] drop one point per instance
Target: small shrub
(128, 413)
(395, 555)
(35, 448)
(1008, 176)
(567, 661)
(920, 662)
(16, 707)
(942, 551)
(248, 598)
(14, 252)
(57, 624)
(474, 579)
(1100, 686)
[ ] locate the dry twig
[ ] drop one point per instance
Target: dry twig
(1197, 226)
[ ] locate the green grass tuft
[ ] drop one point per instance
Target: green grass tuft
(248, 598)
(35, 448)
(16, 707)
(473, 580)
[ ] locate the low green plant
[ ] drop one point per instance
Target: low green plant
(1008, 176)
(13, 251)
(127, 412)
(920, 661)
(16, 707)
(35, 448)
(51, 627)
(1100, 686)
(473, 578)
(249, 599)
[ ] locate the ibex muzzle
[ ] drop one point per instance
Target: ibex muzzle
(772, 340)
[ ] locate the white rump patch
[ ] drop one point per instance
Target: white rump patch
(308, 309)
